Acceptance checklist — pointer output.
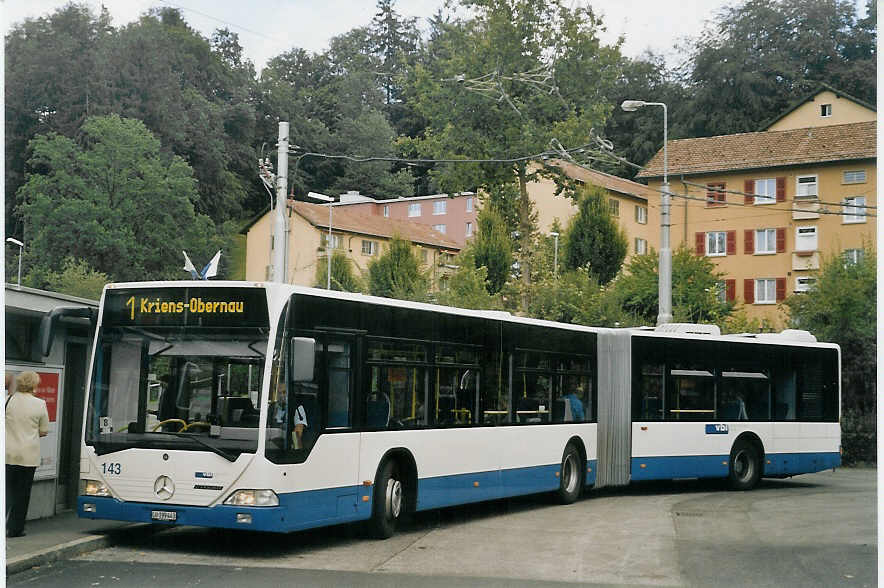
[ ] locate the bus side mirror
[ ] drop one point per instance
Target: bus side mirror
(302, 357)
(50, 321)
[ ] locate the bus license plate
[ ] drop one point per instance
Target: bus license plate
(164, 515)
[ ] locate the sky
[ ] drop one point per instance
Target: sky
(280, 25)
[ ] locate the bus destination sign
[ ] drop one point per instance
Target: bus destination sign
(186, 307)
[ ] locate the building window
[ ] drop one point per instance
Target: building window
(424, 255)
(469, 230)
(853, 256)
(805, 239)
(369, 248)
(721, 291)
(804, 284)
(441, 228)
(440, 207)
(765, 291)
(614, 206)
(854, 210)
(715, 194)
(854, 177)
(807, 188)
(386, 211)
(336, 241)
(414, 209)
(641, 214)
(641, 246)
(765, 191)
(825, 110)
(716, 243)
(765, 241)
(469, 204)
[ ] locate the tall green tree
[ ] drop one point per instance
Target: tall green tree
(840, 308)
(342, 277)
(695, 289)
(114, 200)
(335, 106)
(76, 278)
(397, 273)
(505, 82)
(50, 82)
(195, 95)
(493, 248)
(468, 285)
(594, 238)
(758, 57)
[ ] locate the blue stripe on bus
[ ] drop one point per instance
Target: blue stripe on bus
(315, 508)
(717, 466)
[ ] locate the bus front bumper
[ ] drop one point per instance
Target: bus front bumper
(267, 518)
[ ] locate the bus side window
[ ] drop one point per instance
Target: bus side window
(494, 393)
(338, 395)
(784, 399)
(648, 393)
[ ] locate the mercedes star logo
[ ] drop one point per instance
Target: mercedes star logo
(164, 487)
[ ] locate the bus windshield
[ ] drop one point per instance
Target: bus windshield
(180, 381)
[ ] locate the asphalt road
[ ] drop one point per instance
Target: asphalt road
(812, 530)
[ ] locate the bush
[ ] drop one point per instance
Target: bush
(858, 438)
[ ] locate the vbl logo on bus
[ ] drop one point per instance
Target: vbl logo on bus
(717, 429)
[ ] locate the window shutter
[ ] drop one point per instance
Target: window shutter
(731, 242)
(749, 291)
(749, 189)
(749, 242)
(781, 289)
(700, 243)
(781, 189)
(781, 240)
(730, 290)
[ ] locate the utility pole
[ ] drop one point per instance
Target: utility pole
(280, 221)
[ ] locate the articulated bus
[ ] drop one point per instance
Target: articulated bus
(279, 408)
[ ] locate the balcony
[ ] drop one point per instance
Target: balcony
(806, 209)
(805, 260)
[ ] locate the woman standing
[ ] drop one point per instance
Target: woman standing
(26, 421)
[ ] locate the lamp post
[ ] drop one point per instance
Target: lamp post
(330, 200)
(664, 314)
(556, 254)
(21, 248)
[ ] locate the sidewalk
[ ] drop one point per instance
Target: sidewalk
(61, 536)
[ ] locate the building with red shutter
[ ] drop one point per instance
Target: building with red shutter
(769, 207)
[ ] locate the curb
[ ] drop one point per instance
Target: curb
(56, 552)
(66, 550)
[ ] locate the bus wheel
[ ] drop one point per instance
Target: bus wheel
(745, 466)
(389, 501)
(570, 475)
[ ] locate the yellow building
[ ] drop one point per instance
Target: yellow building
(628, 202)
(360, 236)
(769, 207)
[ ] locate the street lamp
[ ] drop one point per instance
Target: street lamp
(556, 254)
(330, 200)
(664, 314)
(21, 248)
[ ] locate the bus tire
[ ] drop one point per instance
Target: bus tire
(571, 475)
(389, 500)
(744, 471)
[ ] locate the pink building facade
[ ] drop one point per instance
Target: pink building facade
(454, 216)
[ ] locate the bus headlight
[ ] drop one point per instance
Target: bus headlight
(94, 488)
(253, 498)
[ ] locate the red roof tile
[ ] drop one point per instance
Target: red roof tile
(766, 149)
(372, 225)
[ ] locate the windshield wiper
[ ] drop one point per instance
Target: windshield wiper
(219, 451)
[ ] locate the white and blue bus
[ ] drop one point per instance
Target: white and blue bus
(278, 408)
